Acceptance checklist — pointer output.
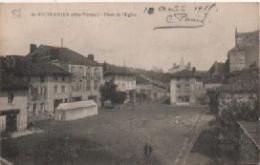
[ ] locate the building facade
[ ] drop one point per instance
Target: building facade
(86, 82)
(123, 78)
(237, 60)
(47, 92)
(151, 91)
(13, 102)
(148, 89)
(185, 88)
(86, 73)
(49, 84)
(245, 54)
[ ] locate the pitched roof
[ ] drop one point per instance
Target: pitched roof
(247, 38)
(186, 74)
(12, 82)
(46, 53)
(141, 80)
(117, 70)
(24, 67)
(220, 66)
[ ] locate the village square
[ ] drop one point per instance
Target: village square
(61, 106)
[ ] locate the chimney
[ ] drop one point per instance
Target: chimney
(33, 47)
(90, 57)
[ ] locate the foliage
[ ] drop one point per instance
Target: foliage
(132, 95)
(213, 96)
(203, 99)
(237, 109)
(107, 91)
(119, 97)
(141, 97)
(167, 101)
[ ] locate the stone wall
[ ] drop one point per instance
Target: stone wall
(248, 152)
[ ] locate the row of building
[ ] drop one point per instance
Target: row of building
(187, 85)
(47, 76)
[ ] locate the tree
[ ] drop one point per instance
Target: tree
(108, 92)
(119, 97)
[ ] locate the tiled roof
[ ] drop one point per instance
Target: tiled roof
(220, 66)
(141, 80)
(117, 70)
(186, 74)
(252, 130)
(46, 53)
(12, 82)
(24, 67)
(247, 38)
(52, 69)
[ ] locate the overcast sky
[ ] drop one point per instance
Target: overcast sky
(129, 39)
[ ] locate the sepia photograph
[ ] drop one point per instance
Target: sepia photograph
(129, 83)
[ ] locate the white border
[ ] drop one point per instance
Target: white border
(124, 1)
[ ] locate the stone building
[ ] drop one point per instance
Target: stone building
(49, 84)
(87, 74)
(186, 87)
(182, 66)
(120, 76)
(246, 51)
(215, 76)
(237, 59)
(13, 100)
(150, 89)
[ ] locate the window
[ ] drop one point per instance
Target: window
(42, 90)
(10, 98)
(42, 78)
(55, 78)
(179, 99)
(55, 89)
(73, 69)
(34, 109)
(95, 85)
(74, 99)
(88, 85)
(63, 78)
(63, 89)
(34, 93)
(42, 107)
(186, 99)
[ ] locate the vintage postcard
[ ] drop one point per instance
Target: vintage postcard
(129, 84)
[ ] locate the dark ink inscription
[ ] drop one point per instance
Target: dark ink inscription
(182, 16)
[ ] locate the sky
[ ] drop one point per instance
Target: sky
(127, 40)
